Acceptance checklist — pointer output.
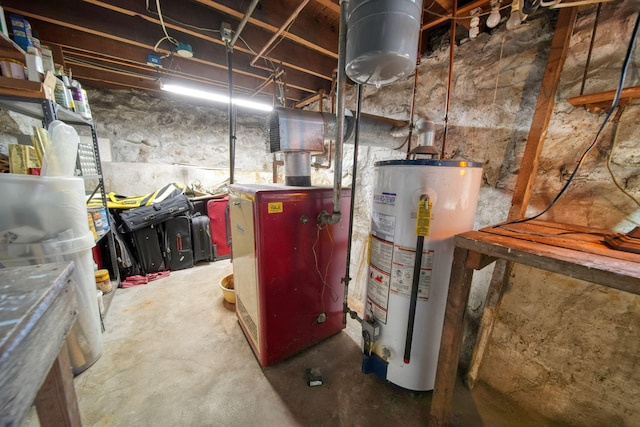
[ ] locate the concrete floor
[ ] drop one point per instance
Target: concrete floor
(176, 356)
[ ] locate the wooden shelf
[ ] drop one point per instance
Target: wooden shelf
(600, 101)
(21, 88)
(570, 250)
(9, 49)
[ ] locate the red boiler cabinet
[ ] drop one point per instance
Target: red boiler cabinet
(287, 269)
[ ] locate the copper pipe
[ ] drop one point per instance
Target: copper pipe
(320, 99)
(274, 168)
(321, 94)
(415, 87)
(593, 39)
(452, 46)
(281, 30)
(266, 83)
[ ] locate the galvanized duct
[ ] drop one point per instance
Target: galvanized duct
(301, 131)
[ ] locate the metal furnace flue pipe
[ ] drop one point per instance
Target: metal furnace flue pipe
(352, 207)
(340, 120)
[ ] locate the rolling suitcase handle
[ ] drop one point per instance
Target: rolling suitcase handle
(227, 223)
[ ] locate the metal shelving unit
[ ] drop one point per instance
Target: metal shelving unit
(33, 104)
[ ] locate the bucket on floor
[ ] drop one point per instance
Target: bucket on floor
(103, 281)
(228, 292)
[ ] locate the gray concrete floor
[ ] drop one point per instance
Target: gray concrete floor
(175, 356)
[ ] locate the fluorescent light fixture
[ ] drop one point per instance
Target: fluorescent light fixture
(211, 96)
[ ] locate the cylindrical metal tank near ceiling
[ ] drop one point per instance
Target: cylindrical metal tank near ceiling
(382, 40)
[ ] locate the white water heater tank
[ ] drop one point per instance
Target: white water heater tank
(441, 196)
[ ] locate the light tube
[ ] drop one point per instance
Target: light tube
(211, 96)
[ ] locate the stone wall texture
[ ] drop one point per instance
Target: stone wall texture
(564, 348)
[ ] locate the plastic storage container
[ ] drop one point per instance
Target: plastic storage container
(44, 220)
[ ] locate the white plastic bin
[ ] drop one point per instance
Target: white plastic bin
(44, 220)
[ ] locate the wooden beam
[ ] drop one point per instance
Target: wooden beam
(291, 55)
(478, 261)
(450, 343)
(56, 401)
(334, 7)
(326, 46)
(462, 11)
(499, 280)
(136, 33)
(602, 100)
(542, 113)
(526, 176)
(111, 46)
(306, 101)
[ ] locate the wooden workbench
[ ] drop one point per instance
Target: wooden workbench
(38, 306)
(570, 250)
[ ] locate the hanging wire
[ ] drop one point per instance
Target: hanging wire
(614, 105)
(323, 278)
(591, 44)
(462, 18)
(167, 36)
(282, 37)
(613, 146)
(181, 23)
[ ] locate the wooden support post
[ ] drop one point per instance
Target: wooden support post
(501, 273)
(543, 111)
(526, 176)
(56, 400)
(451, 341)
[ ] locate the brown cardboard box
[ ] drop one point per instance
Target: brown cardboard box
(49, 86)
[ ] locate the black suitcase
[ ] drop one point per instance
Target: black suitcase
(148, 249)
(137, 218)
(177, 234)
(201, 237)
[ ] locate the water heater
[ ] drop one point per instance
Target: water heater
(416, 203)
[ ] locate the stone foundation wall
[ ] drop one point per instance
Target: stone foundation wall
(496, 79)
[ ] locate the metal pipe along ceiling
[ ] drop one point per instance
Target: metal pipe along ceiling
(245, 18)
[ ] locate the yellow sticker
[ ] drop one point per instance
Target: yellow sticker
(423, 221)
(275, 207)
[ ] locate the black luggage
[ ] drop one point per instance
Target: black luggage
(201, 237)
(177, 234)
(137, 218)
(147, 242)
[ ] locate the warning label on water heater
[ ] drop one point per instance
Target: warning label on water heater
(381, 254)
(383, 225)
(402, 272)
(378, 293)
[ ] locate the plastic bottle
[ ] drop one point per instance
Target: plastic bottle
(79, 100)
(60, 160)
(60, 93)
(67, 85)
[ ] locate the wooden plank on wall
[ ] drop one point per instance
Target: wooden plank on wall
(527, 174)
(542, 114)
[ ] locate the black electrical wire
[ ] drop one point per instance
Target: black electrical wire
(614, 105)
